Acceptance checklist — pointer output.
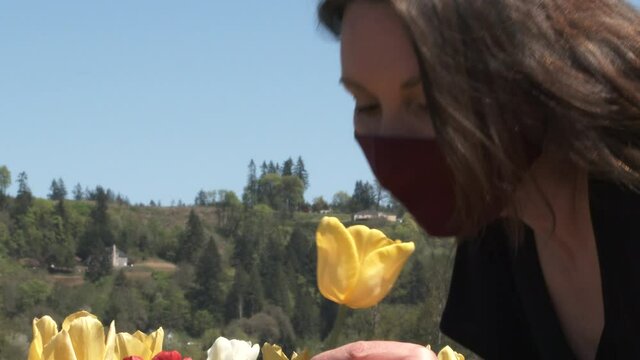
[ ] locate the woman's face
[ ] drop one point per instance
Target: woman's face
(380, 69)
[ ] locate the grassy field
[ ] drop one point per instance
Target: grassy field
(141, 270)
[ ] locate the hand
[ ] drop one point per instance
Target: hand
(378, 350)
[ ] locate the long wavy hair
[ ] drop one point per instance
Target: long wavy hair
(507, 78)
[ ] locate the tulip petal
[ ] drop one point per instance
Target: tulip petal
(447, 353)
(87, 337)
(47, 328)
(242, 350)
(368, 240)
(220, 350)
(110, 343)
(129, 345)
(60, 347)
(168, 355)
(44, 329)
(303, 356)
(140, 336)
(378, 273)
(272, 352)
(153, 341)
(76, 315)
(338, 261)
(36, 347)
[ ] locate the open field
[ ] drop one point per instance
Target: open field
(140, 270)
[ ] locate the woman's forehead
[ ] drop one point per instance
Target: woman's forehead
(375, 42)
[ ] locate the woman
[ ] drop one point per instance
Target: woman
(514, 125)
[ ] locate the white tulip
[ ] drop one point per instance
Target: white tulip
(225, 349)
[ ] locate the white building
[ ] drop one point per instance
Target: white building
(372, 214)
(118, 258)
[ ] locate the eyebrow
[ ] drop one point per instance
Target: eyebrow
(406, 85)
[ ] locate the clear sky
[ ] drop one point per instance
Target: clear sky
(158, 99)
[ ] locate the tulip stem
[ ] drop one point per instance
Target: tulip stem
(332, 341)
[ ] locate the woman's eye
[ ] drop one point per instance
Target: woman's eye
(418, 107)
(367, 109)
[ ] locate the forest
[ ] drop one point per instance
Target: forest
(242, 266)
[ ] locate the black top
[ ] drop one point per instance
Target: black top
(499, 306)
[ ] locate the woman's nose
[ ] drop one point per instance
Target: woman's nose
(392, 124)
(399, 123)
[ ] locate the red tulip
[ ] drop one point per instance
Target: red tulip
(169, 355)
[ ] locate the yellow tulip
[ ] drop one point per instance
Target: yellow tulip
(44, 329)
(447, 353)
(139, 344)
(358, 266)
(274, 352)
(82, 338)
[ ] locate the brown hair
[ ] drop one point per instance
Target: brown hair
(506, 78)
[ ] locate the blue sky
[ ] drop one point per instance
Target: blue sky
(158, 99)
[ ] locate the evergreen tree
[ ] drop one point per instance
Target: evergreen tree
(287, 167)
(250, 194)
(207, 293)
(89, 194)
(273, 275)
(96, 244)
(271, 168)
(246, 297)
(98, 234)
(61, 210)
(5, 182)
(243, 251)
(363, 197)
(78, 194)
(5, 179)
(301, 172)
(306, 314)
(111, 196)
(192, 239)
(300, 253)
(57, 190)
(59, 254)
(98, 265)
(62, 189)
(234, 304)
(24, 198)
(263, 169)
(254, 297)
(201, 198)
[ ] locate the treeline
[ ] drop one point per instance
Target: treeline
(282, 188)
(245, 266)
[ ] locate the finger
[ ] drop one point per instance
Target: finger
(378, 350)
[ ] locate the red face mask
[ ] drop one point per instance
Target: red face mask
(417, 174)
